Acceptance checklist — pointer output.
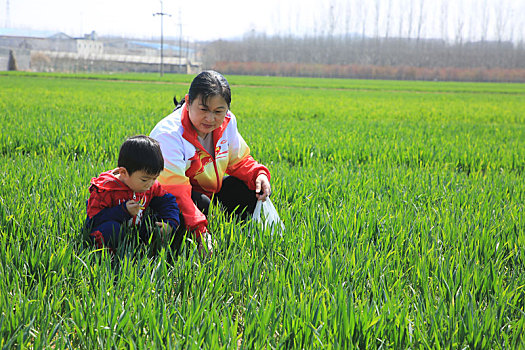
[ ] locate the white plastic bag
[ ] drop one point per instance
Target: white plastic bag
(266, 214)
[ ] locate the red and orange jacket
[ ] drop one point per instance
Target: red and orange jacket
(187, 165)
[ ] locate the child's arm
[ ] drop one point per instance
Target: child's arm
(100, 211)
(118, 213)
(165, 229)
(165, 206)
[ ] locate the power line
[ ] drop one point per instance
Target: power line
(180, 24)
(161, 14)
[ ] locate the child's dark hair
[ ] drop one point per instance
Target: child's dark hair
(141, 152)
(206, 84)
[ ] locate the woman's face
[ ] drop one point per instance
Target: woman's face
(206, 118)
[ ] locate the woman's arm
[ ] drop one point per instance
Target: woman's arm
(242, 165)
(174, 180)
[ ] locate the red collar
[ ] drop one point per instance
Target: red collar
(190, 134)
(108, 182)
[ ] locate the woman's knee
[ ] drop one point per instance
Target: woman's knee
(202, 201)
(237, 197)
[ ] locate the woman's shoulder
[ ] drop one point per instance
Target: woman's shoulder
(171, 124)
(231, 115)
(232, 120)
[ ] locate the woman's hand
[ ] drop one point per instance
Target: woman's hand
(262, 187)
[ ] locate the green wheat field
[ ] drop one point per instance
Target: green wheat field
(403, 204)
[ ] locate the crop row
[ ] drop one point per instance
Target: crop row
(404, 217)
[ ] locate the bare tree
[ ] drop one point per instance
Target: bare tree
(421, 18)
(460, 24)
(298, 26)
(502, 19)
(331, 20)
(388, 18)
(444, 20)
(472, 22)
(484, 20)
(376, 19)
(348, 18)
(410, 18)
(364, 15)
(401, 18)
(521, 28)
(276, 17)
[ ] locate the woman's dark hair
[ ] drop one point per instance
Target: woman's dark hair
(141, 152)
(206, 84)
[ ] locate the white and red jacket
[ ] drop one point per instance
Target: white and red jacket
(188, 165)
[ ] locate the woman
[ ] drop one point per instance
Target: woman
(201, 144)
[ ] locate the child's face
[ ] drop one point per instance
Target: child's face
(139, 181)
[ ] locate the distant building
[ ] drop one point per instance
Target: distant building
(46, 51)
(89, 48)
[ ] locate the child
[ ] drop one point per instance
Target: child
(121, 195)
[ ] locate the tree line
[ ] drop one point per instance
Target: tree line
(422, 36)
(338, 52)
(433, 53)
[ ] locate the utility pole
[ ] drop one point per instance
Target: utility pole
(179, 68)
(7, 15)
(161, 14)
(180, 41)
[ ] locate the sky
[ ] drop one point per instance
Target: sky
(212, 19)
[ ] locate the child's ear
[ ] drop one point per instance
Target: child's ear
(187, 99)
(123, 171)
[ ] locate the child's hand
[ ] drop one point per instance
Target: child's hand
(165, 229)
(133, 207)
